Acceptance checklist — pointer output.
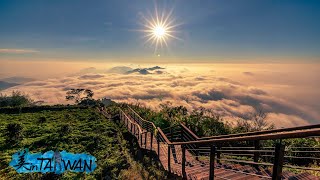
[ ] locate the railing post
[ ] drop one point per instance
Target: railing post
(134, 129)
(145, 139)
(183, 163)
(171, 137)
(169, 166)
(218, 153)
(181, 133)
(122, 118)
(158, 142)
(151, 139)
(197, 152)
(127, 121)
(278, 161)
(141, 140)
(212, 155)
(131, 127)
(256, 154)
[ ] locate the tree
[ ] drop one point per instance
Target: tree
(242, 126)
(205, 122)
(253, 122)
(79, 95)
(173, 114)
(259, 121)
(16, 99)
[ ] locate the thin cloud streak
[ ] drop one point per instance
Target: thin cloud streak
(18, 51)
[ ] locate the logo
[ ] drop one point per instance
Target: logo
(57, 162)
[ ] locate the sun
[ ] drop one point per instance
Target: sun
(159, 29)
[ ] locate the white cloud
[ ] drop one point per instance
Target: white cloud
(226, 96)
(18, 51)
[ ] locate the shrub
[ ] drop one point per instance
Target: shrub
(65, 130)
(13, 133)
(42, 119)
(16, 99)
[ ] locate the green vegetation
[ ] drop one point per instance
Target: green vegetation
(79, 95)
(82, 97)
(13, 133)
(203, 122)
(17, 99)
(73, 130)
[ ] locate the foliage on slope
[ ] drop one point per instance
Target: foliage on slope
(205, 122)
(73, 130)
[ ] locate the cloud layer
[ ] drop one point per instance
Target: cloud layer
(181, 86)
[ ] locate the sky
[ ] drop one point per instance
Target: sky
(210, 30)
(235, 57)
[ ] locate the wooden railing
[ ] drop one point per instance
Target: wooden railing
(182, 152)
(278, 151)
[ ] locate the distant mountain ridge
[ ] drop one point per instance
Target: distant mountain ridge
(124, 70)
(9, 82)
(145, 71)
(6, 85)
(119, 69)
(17, 79)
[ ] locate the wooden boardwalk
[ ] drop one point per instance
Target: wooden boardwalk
(194, 169)
(181, 161)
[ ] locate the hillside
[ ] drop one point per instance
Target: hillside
(136, 142)
(77, 131)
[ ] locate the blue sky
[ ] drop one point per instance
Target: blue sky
(214, 30)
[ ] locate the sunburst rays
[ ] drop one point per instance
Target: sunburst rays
(159, 29)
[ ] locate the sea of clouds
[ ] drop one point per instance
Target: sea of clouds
(230, 91)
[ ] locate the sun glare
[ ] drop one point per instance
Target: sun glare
(159, 29)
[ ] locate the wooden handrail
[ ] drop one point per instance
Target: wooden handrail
(189, 131)
(154, 126)
(262, 132)
(194, 141)
(164, 136)
(140, 130)
(284, 133)
(272, 136)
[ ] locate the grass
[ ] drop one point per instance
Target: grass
(76, 131)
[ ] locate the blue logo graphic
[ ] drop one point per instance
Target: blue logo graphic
(57, 162)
